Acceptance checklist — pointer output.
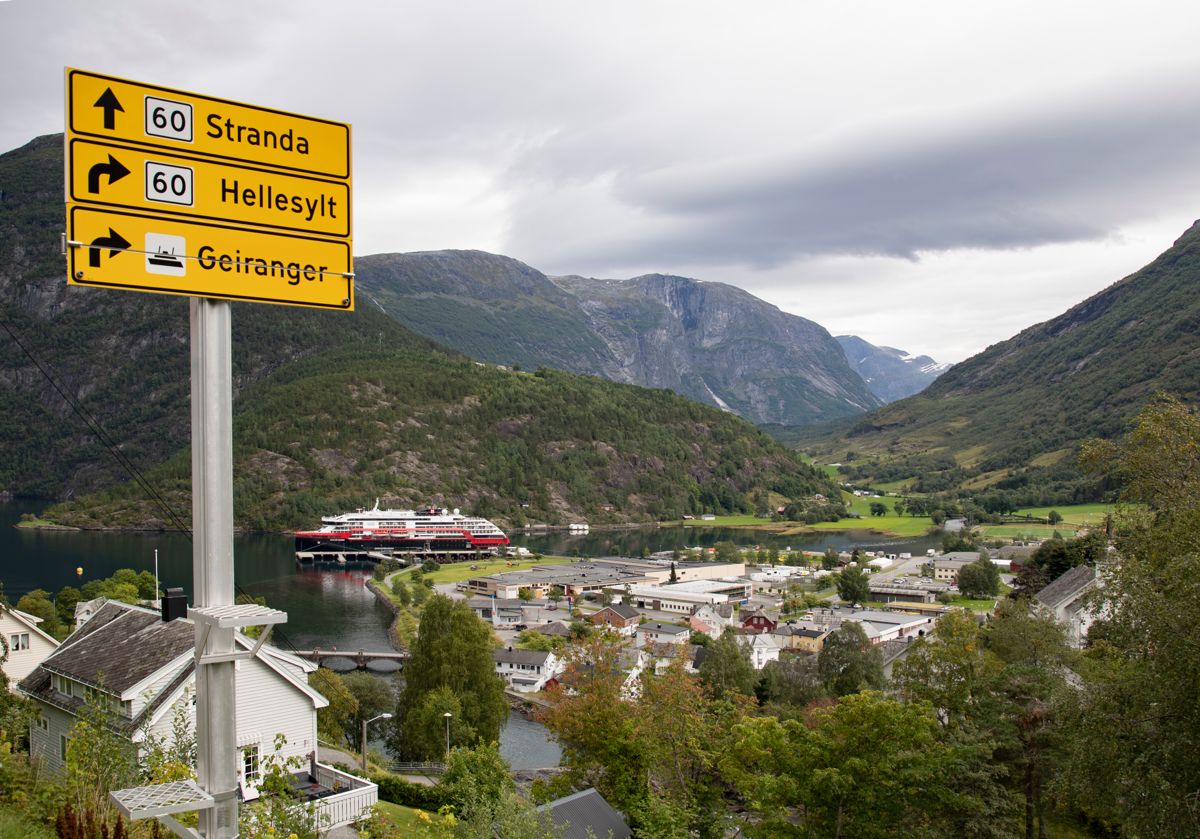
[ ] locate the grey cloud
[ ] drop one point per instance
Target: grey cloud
(1071, 176)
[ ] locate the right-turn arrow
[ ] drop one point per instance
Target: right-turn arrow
(114, 169)
(113, 241)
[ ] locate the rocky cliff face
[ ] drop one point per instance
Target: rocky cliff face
(890, 373)
(720, 345)
(711, 342)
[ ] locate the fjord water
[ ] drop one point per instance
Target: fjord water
(332, 607)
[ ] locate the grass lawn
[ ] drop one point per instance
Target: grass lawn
(984, 605)
(403, 817)
(1075, 514)
(15, 825)
(890, 524)
(1030, 531)
(458, 571)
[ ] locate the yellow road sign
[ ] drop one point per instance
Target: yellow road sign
(107, 108)
(111, 248)
(146, 179)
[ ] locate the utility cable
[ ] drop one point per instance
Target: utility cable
(155, 497)
(103, 437)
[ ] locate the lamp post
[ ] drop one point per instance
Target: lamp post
(447, 717)
(364, 737)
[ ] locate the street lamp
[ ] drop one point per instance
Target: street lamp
(447, 717)
(364, 737)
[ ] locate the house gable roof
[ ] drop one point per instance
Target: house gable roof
(663, 628)
(586, 814)
(1067, 587)
(621, 610)
(515, 656)
(126, 648)
(30, 621)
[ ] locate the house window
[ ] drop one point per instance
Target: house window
(62, 685)
(251, 770)
(42, 723)
(18, 641)
(62, 747)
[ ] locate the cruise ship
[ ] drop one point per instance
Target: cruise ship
(425, 531)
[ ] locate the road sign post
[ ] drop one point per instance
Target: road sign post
(180, 193)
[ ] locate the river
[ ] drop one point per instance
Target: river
(333, 607)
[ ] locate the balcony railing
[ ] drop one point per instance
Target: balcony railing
(351, 800)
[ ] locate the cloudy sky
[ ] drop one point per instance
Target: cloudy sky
(934, 176)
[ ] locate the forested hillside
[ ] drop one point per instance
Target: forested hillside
(1012, 417)
(331, 409)
(342, 427)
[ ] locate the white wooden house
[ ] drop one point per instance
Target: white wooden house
(526, 671)
(27, 645)
(143, 667)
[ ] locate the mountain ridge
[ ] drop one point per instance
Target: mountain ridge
(701, 339)
(1013, 416)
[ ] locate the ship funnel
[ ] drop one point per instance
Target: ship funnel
(456, 511)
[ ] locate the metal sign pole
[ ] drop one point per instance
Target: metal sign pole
(212, 559)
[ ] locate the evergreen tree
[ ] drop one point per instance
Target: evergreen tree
(849, 662)
(726, 668)
(853, 585)
(453, 650)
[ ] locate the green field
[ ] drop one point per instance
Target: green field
(1074, 514)
(890, 524)
(459, 571)
(732, 521)
(1028, 531)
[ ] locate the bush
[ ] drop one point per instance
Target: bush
(399, 791)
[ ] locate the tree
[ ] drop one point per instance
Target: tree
(727, 551)
(424, 727)
(401, 591)
(849, 662)
(829, 559)
(878, 508)
(1133, 729)
(476, 778)
(335, 722)
(726, 668)
(99, 759)
(37, 603)
(790, 684)
(866, 767)
(853, 585)
(65, 602)
(980, 578)
(1054, 517)
(372, 695)
(453, 650)
(595, 725)
(901, 507)
(1032, 657)
(948, 671)
(555, 594)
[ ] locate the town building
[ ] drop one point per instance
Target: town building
(654, 632)
(1067, 599)
(907, 591)
(28, 645)
(526, 671)
(619, 618)
(140, 664)
(758, 621)
(762, 648)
